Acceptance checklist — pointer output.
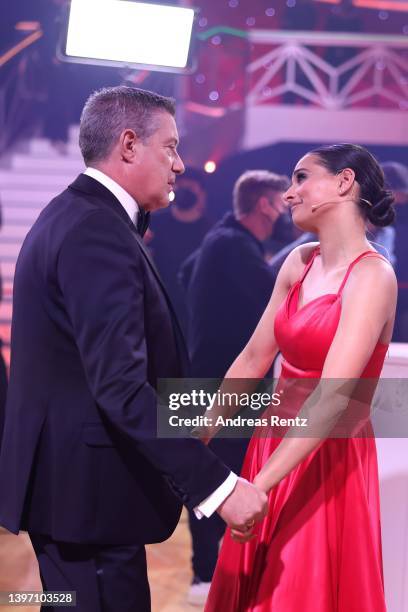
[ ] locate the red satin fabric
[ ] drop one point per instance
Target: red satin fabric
(319, 547)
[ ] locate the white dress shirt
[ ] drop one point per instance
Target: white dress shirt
(211, 503)
(128, 203)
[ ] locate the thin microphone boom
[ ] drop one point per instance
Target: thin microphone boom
(317, 206)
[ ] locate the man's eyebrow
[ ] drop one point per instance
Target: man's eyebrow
(173, 140)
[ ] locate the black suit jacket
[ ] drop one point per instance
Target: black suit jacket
(92, 331)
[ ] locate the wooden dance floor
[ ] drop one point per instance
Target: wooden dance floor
(168, 563)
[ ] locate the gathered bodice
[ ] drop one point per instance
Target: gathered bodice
(304, 334)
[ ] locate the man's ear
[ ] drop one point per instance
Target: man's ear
(129, 145)
(263, 204)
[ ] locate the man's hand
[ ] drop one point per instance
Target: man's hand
(244, 506)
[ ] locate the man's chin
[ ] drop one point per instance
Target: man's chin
(158, 204)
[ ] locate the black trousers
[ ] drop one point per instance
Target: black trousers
(105, 579)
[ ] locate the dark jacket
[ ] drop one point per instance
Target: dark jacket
(229, 288)
(92, 331)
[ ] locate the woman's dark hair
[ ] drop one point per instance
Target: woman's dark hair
(376, 202)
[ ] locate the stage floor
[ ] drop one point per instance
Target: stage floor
(168, 563)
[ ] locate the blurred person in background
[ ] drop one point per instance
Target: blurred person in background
(396, 176)
(228, 284)
(178, 231)
(230, 270)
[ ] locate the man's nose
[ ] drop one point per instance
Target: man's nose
(178, 165)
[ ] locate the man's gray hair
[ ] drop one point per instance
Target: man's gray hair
(254, 184)
(109, 111)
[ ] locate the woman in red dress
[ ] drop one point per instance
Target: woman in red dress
(331, 315)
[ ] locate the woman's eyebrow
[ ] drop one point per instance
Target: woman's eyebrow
(299, 170)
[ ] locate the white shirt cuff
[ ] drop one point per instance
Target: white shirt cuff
(213, 501)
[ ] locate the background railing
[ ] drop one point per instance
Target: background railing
(329, 70)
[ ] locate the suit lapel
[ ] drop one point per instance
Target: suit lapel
(181, 342)
(102, 195)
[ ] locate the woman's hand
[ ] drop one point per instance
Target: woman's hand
(243, 536)
(248, 534)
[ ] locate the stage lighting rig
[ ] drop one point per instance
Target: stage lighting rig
(139, 35)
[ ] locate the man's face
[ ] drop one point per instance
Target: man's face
(158, 164)
(272, 209)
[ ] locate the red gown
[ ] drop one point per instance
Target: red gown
(319, 547)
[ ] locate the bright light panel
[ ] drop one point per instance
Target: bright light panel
(129, 32)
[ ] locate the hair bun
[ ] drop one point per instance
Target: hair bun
(382, 211)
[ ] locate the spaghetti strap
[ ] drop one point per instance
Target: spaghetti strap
(355, 261)
(309, 264)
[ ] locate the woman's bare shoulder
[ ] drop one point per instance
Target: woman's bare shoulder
(375, 272)
(304, 251)
(297, 260)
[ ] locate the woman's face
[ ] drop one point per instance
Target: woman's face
(312, 185)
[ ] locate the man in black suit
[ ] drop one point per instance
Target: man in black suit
(81, 467)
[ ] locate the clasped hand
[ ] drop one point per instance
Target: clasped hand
(245, 506)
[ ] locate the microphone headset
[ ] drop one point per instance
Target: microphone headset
(317, 206)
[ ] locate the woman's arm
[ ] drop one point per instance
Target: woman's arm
(257, 356)
(368, 308)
